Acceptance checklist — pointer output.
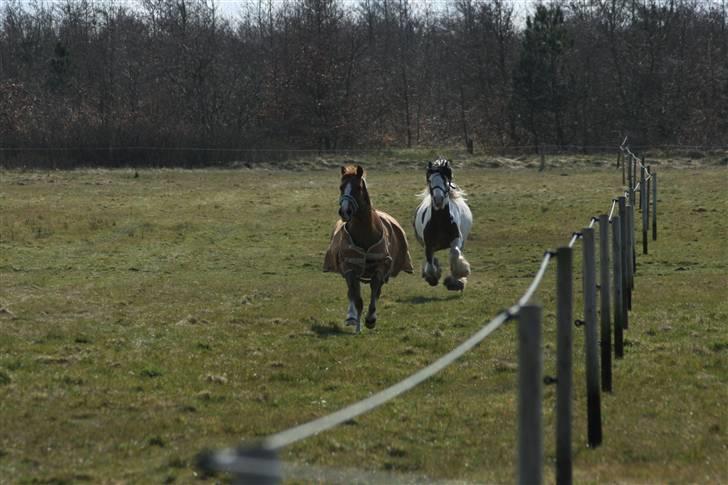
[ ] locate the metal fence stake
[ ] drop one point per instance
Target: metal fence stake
(643, 205)
(594, 414)
(654, 206)
(604, 294)
(642, 183)
(618, 288)
(530, 369)
(624, 212)
(564, 344)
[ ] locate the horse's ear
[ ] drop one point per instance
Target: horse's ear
(359, 171)
(343, 170)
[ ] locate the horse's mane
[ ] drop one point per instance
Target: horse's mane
(455, 191)
(349, 170)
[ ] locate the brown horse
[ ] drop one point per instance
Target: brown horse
(366, 246)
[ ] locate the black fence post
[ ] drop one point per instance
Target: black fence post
(594, 414)
(643, 205)
(654, 206)
(605, 333)
(530, 369)
(618, 287)
(564, 375)
(624, 212)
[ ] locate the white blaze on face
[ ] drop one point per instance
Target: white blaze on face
(438, 190)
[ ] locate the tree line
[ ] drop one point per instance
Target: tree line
(117, 81)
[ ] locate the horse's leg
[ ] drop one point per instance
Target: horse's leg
(376, 284)
(459, 267)
(431, 267)
(356, 304)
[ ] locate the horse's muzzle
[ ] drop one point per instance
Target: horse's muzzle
(346, 212)
(438, 200)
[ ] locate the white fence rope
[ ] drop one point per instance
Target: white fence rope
(611, 211)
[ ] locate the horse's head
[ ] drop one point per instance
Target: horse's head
(439, 181)
(354, 194)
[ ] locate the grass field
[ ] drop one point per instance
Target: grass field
(146, 318)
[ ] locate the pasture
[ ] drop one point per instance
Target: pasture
(147, 317)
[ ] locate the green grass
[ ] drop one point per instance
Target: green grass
(148, 318)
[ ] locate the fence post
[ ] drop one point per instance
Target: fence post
(654, 206)
(643, 205)
(629, 263)
(648, 195)
(630, 182)
(594, 414)
(624, 243)
(605, 334)
(530, 368)
(618, 289)
(564, 376)
(642, 182)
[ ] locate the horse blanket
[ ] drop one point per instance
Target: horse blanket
(387, 257)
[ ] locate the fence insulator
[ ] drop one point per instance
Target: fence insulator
(594, 413)
(530, 368)
(604, 313)
(564, 344)
(254, 464)
(618, 286)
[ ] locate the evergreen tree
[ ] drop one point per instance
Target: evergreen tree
(540, 87)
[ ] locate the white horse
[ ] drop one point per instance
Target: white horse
(443, 221)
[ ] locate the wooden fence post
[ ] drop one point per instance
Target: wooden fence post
(605, 335)
(594, 414)
(618, 282)
(564, 376)
(530, 368)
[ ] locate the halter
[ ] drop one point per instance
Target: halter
(351, 200)
(445, 178)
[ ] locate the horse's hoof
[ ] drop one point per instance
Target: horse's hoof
(453, 284)
(370, 322)
(354, 323)
(431, 280)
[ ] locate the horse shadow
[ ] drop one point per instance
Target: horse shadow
(420, 300)
(331, 330)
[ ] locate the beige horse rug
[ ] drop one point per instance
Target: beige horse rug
(386, 258)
